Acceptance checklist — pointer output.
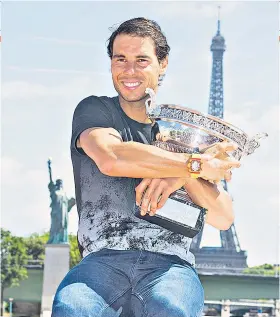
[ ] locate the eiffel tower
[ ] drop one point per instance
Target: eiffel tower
(229, 256)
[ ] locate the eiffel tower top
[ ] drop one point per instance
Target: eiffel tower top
(218, 41)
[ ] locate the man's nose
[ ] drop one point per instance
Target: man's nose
(130, 68)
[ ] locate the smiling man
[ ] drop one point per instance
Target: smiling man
(130, 267)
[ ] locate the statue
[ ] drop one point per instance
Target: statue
(60, 206)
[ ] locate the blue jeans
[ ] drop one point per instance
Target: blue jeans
(112, 283)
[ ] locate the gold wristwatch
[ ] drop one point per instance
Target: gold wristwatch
(194, 164)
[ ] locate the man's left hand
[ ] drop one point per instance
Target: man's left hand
(152, 194)
(219, 150)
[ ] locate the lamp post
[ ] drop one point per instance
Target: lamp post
(11, 306)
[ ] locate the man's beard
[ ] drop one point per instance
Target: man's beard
(143, 97)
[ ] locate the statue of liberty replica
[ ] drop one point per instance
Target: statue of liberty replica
(57, 249)
(60, 207)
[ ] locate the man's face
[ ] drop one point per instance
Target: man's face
(135, 66)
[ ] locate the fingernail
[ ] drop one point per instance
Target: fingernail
(137, 204)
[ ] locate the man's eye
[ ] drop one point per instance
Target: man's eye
(142, 60)
(121, 60)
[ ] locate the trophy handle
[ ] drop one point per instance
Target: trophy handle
(253, 143)
(151, 107)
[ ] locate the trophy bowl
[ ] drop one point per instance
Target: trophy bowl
(183, 130)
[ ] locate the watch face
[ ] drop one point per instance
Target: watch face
(195, 165)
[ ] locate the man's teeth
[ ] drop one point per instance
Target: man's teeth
(132, 84)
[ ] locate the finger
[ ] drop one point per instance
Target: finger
(214, 148)
(206, 157)
(218, 148)
(140, 189)
(226, 147)
(228, 176)
(230, 164)
(224, 157)
(145, 204)
(155, 198)
(163, 200)
(216, 182)
(208, 149)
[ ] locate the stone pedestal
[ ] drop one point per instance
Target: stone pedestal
(56, 266)
(277, 308)
(225, 311)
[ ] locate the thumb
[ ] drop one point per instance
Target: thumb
(231, 164)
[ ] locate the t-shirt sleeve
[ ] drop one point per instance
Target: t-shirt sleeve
(91, 112)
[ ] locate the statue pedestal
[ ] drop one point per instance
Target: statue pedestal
(225, 312)
(56, 266)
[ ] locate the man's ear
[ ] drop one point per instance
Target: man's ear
(163, 66)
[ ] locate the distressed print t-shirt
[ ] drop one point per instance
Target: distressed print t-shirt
(105, 204)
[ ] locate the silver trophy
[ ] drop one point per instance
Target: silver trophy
(181, 130)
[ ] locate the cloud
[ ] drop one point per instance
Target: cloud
(54, 70)
(15, 173)
(253, 119)
(192, 9)
(72, 88)
(10, 166)
(21, 184)
(23, 90)
(73, 42)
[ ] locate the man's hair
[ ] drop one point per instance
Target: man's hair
(143, 28)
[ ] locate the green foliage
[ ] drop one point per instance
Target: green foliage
(35, 245)
(17, 251)
(264, 269)
(75, 256)
(13, 259)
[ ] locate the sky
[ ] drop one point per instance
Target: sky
(54, 55)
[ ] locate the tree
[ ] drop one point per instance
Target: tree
(13, 260)
(35, 245)
(75, 256)
(264, 269)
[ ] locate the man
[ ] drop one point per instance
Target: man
(131, 267)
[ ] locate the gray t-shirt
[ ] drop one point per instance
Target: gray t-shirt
(106, 205)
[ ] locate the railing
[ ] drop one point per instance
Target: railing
(213, 268)
(35, 264)
(244, 302)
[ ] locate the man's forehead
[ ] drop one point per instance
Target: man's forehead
(130, 42)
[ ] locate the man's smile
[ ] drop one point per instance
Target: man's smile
(131, 85)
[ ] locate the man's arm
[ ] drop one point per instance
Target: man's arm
(130, 159)
(152, 194)
(216, 200)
